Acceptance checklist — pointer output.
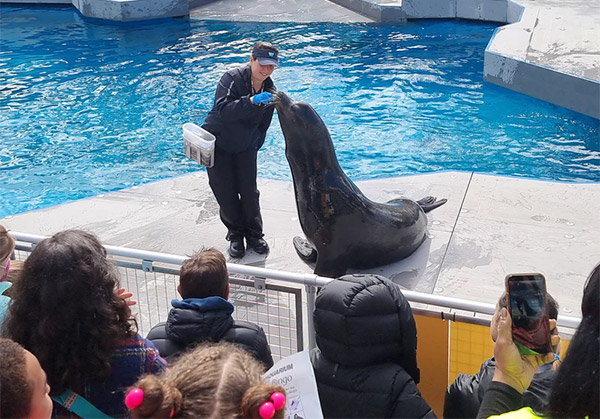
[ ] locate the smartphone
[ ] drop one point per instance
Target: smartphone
(527, 308)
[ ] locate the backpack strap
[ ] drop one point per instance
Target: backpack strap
(79, 405)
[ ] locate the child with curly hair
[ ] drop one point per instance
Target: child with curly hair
(211, 381)
(69, 312)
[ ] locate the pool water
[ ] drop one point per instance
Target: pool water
(88, 107)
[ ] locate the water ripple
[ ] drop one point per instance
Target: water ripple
(88, 107)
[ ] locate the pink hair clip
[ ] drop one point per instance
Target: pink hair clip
(276, 402)
(134, 398)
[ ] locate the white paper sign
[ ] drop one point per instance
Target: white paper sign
(295, 374)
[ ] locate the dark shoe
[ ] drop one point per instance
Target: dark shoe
(236, 248)
(259, 245)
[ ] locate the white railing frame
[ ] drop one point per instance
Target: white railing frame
(309, 281)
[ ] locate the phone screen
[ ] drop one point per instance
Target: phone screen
(527, 307)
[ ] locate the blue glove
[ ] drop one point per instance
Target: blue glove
(262, 98)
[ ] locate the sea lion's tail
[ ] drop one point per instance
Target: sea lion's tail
(430, 203)
(427, 204)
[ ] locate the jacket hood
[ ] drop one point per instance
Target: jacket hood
(362, 320)
(196, 319)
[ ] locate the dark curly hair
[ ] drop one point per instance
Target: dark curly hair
(65, 310)
(576, 388)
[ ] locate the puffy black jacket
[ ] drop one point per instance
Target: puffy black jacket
(197, 320)
(465, 394)
(238, 124)
(366, 361)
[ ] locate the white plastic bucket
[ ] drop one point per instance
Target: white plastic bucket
(199, 144)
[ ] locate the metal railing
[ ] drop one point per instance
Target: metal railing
(270, 298)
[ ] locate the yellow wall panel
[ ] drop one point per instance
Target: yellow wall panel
(470, 345)
(432, 356)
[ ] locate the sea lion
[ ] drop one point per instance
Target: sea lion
(344, 228)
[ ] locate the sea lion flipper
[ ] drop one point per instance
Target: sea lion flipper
(428, 200)
(430, 203)
(304, 249)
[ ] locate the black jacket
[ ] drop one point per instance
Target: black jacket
(238, 124)
(366, 361)
(197, 320)
(464, 396)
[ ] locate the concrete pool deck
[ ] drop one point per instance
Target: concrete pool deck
(490, 226)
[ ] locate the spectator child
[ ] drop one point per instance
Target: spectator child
(24, 391)
(577, 385)
(66, 311)
(7, 247)
(204, 315)
(464, 395)
(366, 360)
(211, 381)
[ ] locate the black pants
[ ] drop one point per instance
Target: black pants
(233, 182)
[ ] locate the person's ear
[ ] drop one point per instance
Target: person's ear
(179, 289)
(227, 292)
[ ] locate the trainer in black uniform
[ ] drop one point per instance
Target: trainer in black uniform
(239, 120)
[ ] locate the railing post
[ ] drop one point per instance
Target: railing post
(311, 294)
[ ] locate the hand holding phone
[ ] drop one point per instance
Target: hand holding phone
(527, 308)
(512, 367)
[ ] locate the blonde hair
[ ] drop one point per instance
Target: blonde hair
(7, 244)
(211, 381)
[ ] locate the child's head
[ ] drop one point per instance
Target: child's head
(7, 246)
(204, 275)
(211, 381)
(64, 303)
(24, 392)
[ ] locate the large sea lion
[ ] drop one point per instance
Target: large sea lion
(344, 228)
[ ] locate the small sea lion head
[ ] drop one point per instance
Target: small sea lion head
(301, 125)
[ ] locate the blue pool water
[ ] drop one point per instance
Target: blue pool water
(88, 107)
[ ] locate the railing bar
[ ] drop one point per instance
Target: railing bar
(178, 260)
(299, 322)
(305, 279)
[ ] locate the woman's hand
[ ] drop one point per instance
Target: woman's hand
(512, 368)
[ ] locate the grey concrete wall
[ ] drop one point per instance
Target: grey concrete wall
(36, 1)
(399, 11)
(550, 53)
(121, 10)
(379, 11)
(130, 10)
(488, 10)
(567, 90)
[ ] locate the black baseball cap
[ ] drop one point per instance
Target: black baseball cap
(266, 57)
